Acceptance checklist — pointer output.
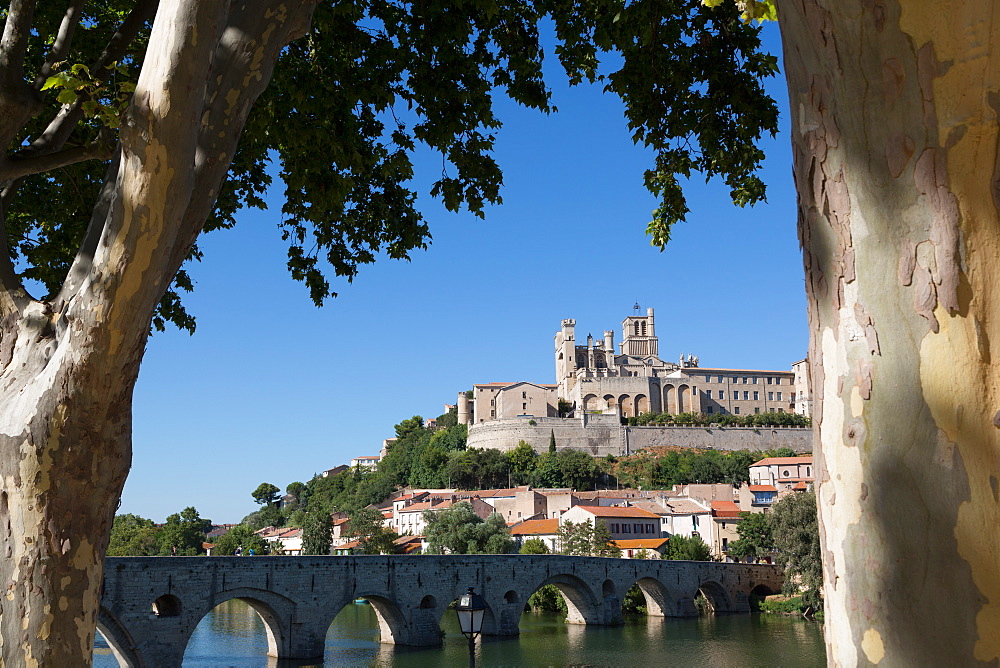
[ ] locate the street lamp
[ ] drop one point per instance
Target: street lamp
(470, 609)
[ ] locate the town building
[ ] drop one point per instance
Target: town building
(366, 462)
(546, 531)
(622, 522)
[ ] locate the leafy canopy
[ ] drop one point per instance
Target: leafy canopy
(458, 530)
(349, 104)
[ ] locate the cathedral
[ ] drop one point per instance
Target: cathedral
(592, 378)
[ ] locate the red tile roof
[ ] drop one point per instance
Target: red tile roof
(725, 509)
(536, 528)
(640, 543)
(783, 461)
(763, 488)
(617, 511)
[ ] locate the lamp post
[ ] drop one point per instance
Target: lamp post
(470, 609)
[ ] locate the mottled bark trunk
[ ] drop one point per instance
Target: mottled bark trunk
(68, 367)
(895, 135)
(65, 449)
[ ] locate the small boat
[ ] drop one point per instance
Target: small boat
(360, 601)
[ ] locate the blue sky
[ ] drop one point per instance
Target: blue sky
(270, 388)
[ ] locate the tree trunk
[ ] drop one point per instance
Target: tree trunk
(895, 136)
(68, 367)
(65, 449)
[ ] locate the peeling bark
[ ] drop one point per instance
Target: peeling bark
(68, 368)
(895, 143)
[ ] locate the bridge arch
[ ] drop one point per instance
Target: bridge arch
(581, 602)
(661, 601)
(119, 639)
(167, 605)
(717, 596)
(392, 625)
(274, 610)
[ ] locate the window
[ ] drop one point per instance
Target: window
(626, 528)
(614, 528)
(524, 395)
(745, 380)
(493, 402)
(777, 381)
(755, 380)
(708, 379)
(756, 396)
(650, 528)
(746, 395)
(770, 396)
(736, 410)
(770, 381)
(784, 473)
(709, 411)
(524, 407)
(781, 410)
(808, 474)
(779, 396)
(756, 411)
(719, 378)
(736, 395)
(725, 542)
(493, 414)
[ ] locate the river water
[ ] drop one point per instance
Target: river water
(233, 635)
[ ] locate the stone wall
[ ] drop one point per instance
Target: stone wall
(602, 435)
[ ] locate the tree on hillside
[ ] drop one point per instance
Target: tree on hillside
(796, 536)
(317, 533)
(521, 462)
(552, 440)
(367, 526)
(266, 494)
(458, 530)
(534, 546)
(184, 530)
(687, 548)
(756, 539)
(240, 536)
(133, 536)
(584, 539)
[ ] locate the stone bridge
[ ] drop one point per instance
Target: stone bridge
(151, 605)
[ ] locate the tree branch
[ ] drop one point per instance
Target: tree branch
(63, 39)
(14, 43)
(25, 164)
(59, 130)
(13, 296)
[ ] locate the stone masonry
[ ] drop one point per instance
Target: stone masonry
(601, 435)
(151, 605)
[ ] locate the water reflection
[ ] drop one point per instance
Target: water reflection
(234, 635)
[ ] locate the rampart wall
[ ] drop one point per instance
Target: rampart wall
(602, 435)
